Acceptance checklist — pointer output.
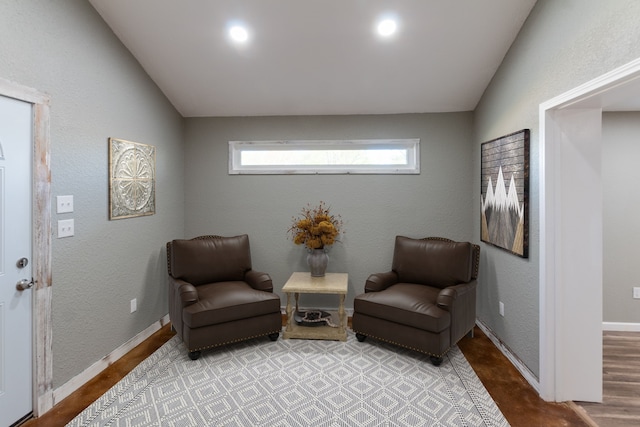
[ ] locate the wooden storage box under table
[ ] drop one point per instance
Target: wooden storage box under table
(304, 283)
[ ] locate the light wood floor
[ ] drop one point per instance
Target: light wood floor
(517, 400)
(621, 382)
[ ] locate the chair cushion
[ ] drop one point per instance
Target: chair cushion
(228, 301)
(216, 259)
(405, 303)
(432, 262)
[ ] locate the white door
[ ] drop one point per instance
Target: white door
(16, 361)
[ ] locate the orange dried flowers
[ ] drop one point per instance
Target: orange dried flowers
(316, 227)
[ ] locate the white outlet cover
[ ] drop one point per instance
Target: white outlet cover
(636, 292)
(65, 228)
(64, 204)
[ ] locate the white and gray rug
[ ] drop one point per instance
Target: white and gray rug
(296, 383)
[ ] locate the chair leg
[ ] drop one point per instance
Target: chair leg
(360, 337)
(274, 336)
(193, 355)
(435, 360)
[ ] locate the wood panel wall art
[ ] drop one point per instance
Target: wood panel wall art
(505, 192)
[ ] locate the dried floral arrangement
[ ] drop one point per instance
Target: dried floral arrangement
(316, 227)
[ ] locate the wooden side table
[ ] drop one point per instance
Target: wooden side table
(303, 283)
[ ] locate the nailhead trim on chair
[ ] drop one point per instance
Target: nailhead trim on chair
(236, 340)
(169, 257)
(404, 346)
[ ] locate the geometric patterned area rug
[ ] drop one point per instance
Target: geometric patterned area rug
(296, 383)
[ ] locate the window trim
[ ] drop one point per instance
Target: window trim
(412, 146)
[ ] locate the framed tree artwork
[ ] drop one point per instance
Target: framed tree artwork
(505, 193)
(132, 179)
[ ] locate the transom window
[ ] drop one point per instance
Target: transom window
(362, 156)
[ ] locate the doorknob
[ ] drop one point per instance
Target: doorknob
(24, 284)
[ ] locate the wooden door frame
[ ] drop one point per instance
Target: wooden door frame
(41, 246)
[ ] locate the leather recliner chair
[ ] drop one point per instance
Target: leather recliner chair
(215, 297)
(427, 302)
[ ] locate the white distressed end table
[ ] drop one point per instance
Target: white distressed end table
(304, 283)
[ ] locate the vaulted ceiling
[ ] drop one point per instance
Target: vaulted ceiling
(317, 57)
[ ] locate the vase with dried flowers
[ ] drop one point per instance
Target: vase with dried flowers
(316, 228)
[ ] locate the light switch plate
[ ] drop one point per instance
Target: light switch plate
(64, 204)
(65, 228)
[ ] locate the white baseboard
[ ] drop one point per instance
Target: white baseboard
(82, 378)
(515, 361)
(621, 326)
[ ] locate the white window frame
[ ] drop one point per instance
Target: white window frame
(412, 147)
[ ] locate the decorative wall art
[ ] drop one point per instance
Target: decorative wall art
(505, 193)
(132, 179)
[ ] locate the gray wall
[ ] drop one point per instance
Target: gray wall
(97, 91)
(562, 45)
(375, 208)
(621, 229)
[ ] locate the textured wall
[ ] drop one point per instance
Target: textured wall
(97, 90)
(562, 45)
(375, 208)
(621, 200)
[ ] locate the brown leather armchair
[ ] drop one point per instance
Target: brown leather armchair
(215, 297)
(427, 302)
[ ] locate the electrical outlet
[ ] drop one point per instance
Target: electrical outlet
(65, 228)
(134, 305)
(501, 305)
(636, 292)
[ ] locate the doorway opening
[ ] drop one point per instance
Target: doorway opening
(571, 249)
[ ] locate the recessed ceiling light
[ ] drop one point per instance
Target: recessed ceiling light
(238, 34)
(387, 27)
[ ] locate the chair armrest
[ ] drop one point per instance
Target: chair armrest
(185, 291)
(447, 297)
(259, 280)
(380, 281)
(460, 302)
